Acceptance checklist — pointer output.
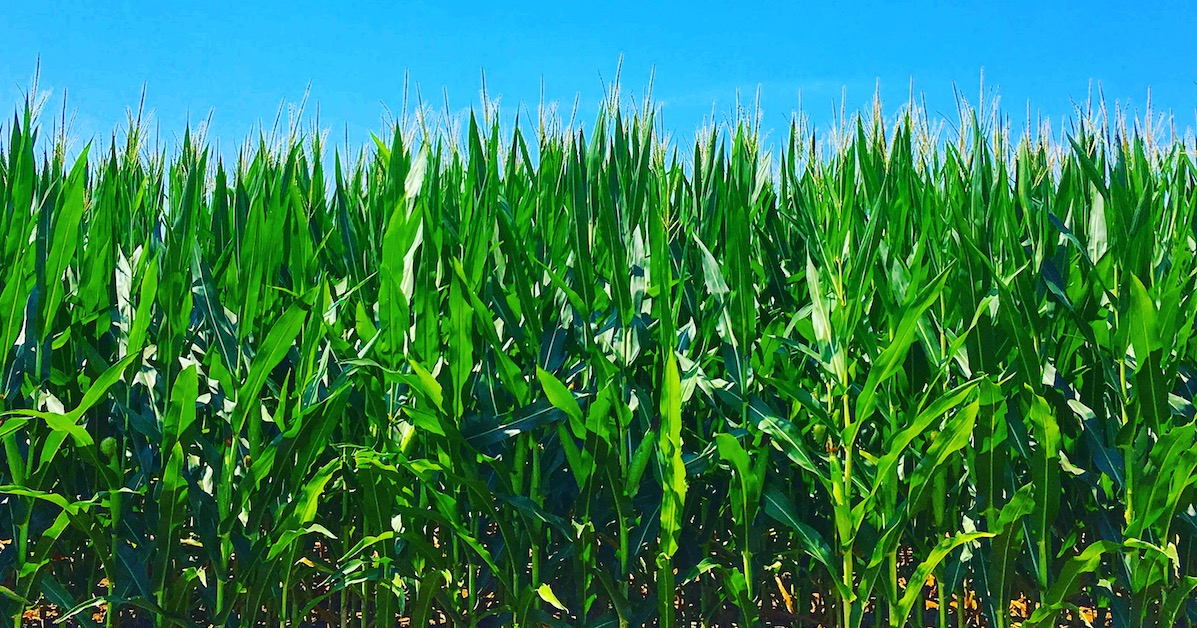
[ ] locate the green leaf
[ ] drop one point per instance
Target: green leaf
(894, 354)
(673, 472)
(1175, 599)
(1151, 389)
(144, 313)
(428, 385)
(563, 400)
(639, 464)
(1045, 475)
(181, 415)
(1066, 584)
(69, 422)
(172, 517)
(954, 437)
(900, 441)
(546, 593)
(785, 437)
(913, 593)
(781, 508)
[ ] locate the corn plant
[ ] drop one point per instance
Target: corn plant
(483, 374)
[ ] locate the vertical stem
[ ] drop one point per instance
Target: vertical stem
(943, 602)
(746, 557)
(115, 502)
(961, 617)
(538, 499)
(848, 565)
(285, 587)
(22, 514)
(344, 595)
(224, 499)
(665, 591)
(365, 607)
(471, 593)
(893, 584)
(625, 529)
(384, 603)
(344, 608)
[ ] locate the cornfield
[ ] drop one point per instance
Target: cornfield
(899, 373)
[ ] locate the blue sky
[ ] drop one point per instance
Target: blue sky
(243, 59)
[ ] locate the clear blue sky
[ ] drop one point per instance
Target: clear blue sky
(244, 58)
